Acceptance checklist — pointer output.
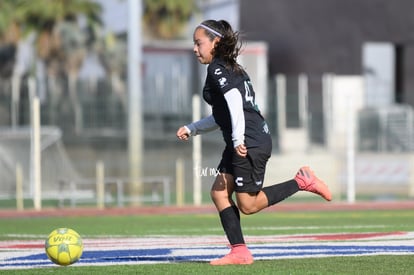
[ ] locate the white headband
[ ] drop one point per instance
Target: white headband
(211, 30)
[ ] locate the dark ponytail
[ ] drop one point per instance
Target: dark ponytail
(229, 46)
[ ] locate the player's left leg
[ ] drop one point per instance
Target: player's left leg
(249, 175)
(250, 203)
(305, 180)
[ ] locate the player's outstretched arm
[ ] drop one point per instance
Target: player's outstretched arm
(183, 133)
(202, 126)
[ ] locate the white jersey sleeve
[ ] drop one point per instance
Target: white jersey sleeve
(235, 103)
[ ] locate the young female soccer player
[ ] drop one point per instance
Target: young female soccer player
(248, 143)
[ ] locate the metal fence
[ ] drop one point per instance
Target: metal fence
(94, 121)
(99, 109)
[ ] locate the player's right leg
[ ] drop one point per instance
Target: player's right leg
(221, 194)
(238, 255)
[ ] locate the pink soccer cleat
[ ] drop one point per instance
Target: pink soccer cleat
(308, 181)
(239, 255)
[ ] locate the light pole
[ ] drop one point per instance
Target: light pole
(135, 135)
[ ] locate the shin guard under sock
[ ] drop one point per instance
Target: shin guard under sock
(281, 191)
(230, 220)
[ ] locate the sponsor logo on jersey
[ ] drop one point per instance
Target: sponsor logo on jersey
(223, 82)
(266, 128)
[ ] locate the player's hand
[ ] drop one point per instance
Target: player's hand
(241, 150)
(182, 133)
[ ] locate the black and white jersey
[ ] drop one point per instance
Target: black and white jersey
(232, 98)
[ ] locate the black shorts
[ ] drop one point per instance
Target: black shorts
(248, 172)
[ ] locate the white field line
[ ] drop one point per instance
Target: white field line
(209, 247)
(110, 242)
(169, 232)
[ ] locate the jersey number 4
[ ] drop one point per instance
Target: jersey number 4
(249, 97)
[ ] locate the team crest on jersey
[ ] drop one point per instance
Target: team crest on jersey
(223, 82)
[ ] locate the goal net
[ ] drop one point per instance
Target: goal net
(15, 150)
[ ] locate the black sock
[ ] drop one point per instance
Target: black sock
(281, 191)
(230, 220)
(236, 210)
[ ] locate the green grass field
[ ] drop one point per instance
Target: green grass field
(267, 223)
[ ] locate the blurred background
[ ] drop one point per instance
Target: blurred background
(333, 78)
